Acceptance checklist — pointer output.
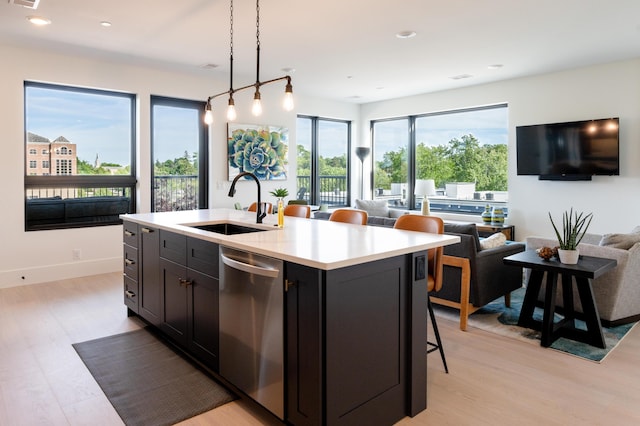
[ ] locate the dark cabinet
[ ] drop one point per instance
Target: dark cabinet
(130, 266)
(150, 299)
(303, 350)
(189, 275)
(359, 319)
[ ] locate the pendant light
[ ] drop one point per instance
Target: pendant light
(256, 108)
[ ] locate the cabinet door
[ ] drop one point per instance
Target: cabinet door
(203, 318)
(303, 328)
(366, 342)
(150, 301)
(202, 256)
(175, 292)
(173, 247)
(130, 233)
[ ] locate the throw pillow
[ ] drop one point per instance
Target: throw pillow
(374, 207)
(494, 240)
(621, 241)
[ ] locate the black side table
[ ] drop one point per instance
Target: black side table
(586, 269)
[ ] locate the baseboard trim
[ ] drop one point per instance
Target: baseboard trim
(41, 274)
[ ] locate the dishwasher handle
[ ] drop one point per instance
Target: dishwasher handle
(251, 269)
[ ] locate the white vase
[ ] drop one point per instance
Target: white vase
(569, 257)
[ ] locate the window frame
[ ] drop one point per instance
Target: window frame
(203, 145)
(314, 189)
(81, 182)
(411, 155)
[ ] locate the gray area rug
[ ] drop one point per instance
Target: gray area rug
(147, 382)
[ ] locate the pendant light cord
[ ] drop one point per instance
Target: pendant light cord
(257, 44)
(231, 48)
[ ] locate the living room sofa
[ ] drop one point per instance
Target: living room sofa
(617, 292)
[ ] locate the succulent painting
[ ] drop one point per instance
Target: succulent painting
(258, 150)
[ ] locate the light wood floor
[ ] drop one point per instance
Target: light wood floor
(493, 380)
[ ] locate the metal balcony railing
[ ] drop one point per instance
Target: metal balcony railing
(172, 193)
(333, 190)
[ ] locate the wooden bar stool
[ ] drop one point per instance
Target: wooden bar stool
(269, 208)
(433, 225)
(297, 210)
(355, 216)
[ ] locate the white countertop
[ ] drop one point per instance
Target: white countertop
(316, 243)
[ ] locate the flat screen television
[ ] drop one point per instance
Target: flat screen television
(569, 151)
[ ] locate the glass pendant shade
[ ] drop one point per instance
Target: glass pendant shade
(208, 115)
(256, 108)
(231, 111)
(287, 104)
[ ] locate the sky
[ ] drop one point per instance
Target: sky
(489, 126)
(98, 125)
(175, 131)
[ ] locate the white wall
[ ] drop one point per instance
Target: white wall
(611, 90)
(31, 257)
(594, 92)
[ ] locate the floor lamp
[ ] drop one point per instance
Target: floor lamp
(362, 152)
(426, 188)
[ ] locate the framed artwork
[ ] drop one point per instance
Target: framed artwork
(261, 150)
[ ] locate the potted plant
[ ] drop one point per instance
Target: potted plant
(280, 193)
(574, 226)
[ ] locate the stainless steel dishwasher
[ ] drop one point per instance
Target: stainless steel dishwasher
(251, 326)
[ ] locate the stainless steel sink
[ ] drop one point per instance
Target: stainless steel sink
(227, 228)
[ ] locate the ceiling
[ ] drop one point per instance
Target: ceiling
(346, 50)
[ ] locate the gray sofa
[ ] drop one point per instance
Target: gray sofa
(617, 292)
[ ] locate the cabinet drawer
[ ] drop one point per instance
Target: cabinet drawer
(130, 233)
(130, 258)
(131, 293)
(202, 256)
(173, 247)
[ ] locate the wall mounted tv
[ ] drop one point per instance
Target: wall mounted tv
(569, 151)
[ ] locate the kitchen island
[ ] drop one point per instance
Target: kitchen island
(354, 318)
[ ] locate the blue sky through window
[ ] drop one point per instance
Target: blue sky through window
(99, 124)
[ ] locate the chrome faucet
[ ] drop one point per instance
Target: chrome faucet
(232, 191)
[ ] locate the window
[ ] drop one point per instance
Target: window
(323, 160)
(33, 164)
(179, 150)
(464, 152)
(391, 161)
(87, 156)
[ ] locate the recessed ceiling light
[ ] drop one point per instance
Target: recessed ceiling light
(105, 23)
(209, 66)
(460, 76)
(495, 66)
(406, 34)
(289, 70)
(38, 20)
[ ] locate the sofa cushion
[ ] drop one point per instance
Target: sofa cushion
(621, 241)
(463, 228)
(374, 207)
(495, 240)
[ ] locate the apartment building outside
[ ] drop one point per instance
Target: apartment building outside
(50, 158)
